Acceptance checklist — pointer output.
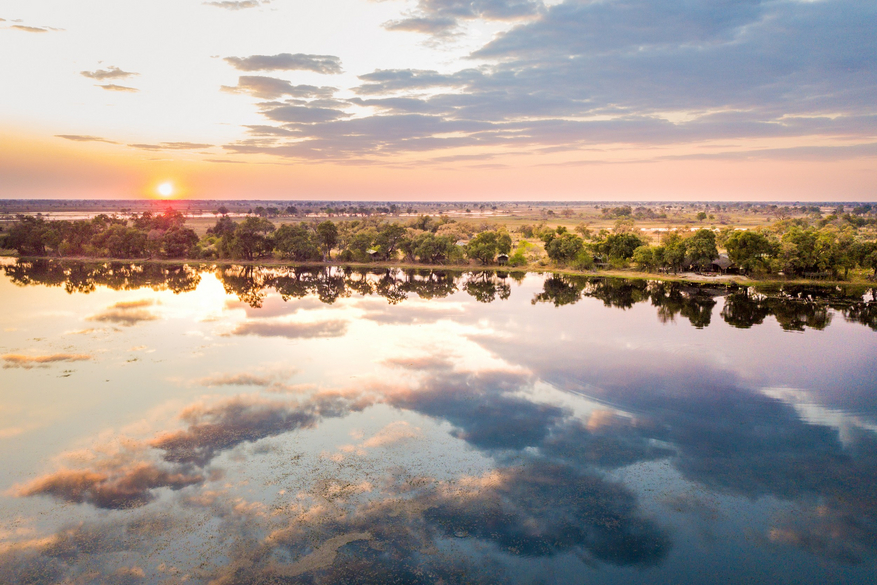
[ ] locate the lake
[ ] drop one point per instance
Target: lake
(180, 424)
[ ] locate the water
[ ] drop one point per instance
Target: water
(170, 424)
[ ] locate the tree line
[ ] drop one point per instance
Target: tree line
(829, 246)
(143, 236)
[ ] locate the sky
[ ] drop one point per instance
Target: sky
(439, 99)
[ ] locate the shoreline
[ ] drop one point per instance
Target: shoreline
(724, 279)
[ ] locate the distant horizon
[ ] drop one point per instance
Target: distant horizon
(533, 202)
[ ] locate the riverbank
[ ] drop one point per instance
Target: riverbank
(724, 279)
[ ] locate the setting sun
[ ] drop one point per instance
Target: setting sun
(166, 189)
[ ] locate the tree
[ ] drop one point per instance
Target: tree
(701, 247)
(620, 245)
(843, 252)
(434, 249)
(674, 251)
(485, 246)
(357, 246)
(327, 238)
(224, 226)
(296, 242)
(645, 257)
(564, 248)
(749, 250)
(802, 251)
(28, 235)
(250, 239)
(868, 256)
(388, 238)
(178, 242)
(119, 241)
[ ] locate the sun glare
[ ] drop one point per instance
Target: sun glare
(166, 189)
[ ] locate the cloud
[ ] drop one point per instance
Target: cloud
(303, 114)
(84, 138)
(402, 105)
(32, 29)
(14, 360)
(138, 304)
(390, 80)
(127, 313)
(274, 306)
(388, 315)
(540, 509)
(236, 380)
(108, 73)
(219, 427)
(272, 88)
(392, 434)
(434, 25)
(421, 363)
(482, 408)
(90, 545)
(119, 488)
(114, 87)
(638, 74)
(270, 383)
(172, 146)
(290, 330)
(326, 64)
(240, 5)
(438, 17)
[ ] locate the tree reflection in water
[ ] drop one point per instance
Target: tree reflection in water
(794, 307)
(547, 489)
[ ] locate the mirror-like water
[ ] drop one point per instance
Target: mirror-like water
(171, 424)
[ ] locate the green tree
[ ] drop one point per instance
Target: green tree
(868, 256)
(327, 237)
(224, 226)
(28, 235)
(250, 239)
(178, 242)
(485, 246)
(803, 250)
(621, 245)
(750, 250)
(119, 241)
(296, 242)
(564, 248)
(388, 238)
(701, 248)
(843, 253)
(674, 251)
(646, 258)
(434, 249)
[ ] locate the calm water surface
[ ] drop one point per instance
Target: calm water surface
(170, 424)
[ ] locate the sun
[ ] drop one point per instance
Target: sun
(166, 189)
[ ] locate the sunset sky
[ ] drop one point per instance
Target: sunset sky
(439, 99)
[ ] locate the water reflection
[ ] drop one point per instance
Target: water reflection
(795, 307)
(421, 427)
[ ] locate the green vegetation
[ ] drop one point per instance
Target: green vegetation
(145, 236)
(802, 243)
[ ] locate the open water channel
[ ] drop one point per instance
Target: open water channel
(175, 424)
